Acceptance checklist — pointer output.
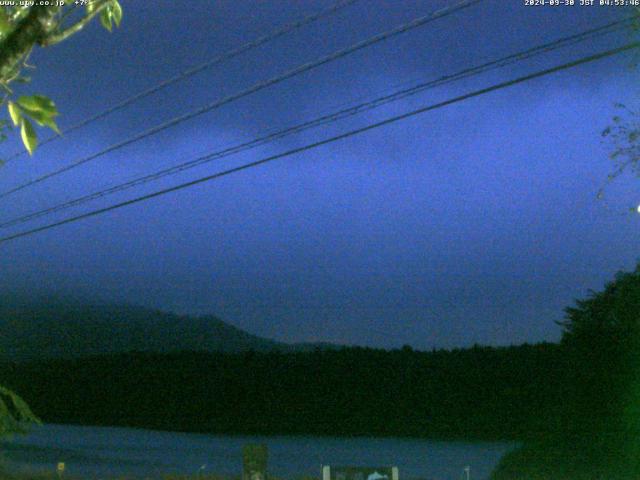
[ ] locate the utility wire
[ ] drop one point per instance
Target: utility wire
(197, 69)
(333, 117)
(326, 141)
(418, 22)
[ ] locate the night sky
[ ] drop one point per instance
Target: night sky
(475, 223)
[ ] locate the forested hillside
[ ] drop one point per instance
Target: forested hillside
(481, 392)
(56, 329)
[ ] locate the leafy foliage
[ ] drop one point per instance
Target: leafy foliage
(15, 414)
(37, 108)
(601, 407)
(624, 135)
(609, 317)
(21, 28)
(602, 335)
(110, 15)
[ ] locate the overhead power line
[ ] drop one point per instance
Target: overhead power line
(332, 117)
(234, 52)
(255, 88)
(326, 141)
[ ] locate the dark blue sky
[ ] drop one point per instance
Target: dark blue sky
(473, 223)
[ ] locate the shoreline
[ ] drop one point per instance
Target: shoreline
(217, 433)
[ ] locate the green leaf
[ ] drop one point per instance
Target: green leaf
(14, 112)
(15, 414)
(39, 117)
(5, 23)
(41, 109)
(38, 103)
(43, 119)
(116, 12)
(51, 123)
(105, 19)
(29, 137)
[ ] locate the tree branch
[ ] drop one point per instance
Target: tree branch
(52, 39)
(19, 14)
(32, 29)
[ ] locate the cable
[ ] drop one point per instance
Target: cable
(326, 141)
(197, 69)
(255, 88)
(325, 119)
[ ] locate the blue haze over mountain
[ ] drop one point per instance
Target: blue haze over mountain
(72, 330)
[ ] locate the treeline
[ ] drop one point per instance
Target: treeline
(481, 392)
(599, 436)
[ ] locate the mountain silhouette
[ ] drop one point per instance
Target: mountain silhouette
(70, 330)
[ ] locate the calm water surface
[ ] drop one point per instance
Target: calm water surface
(100, 452)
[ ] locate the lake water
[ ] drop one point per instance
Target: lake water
(100, 452)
